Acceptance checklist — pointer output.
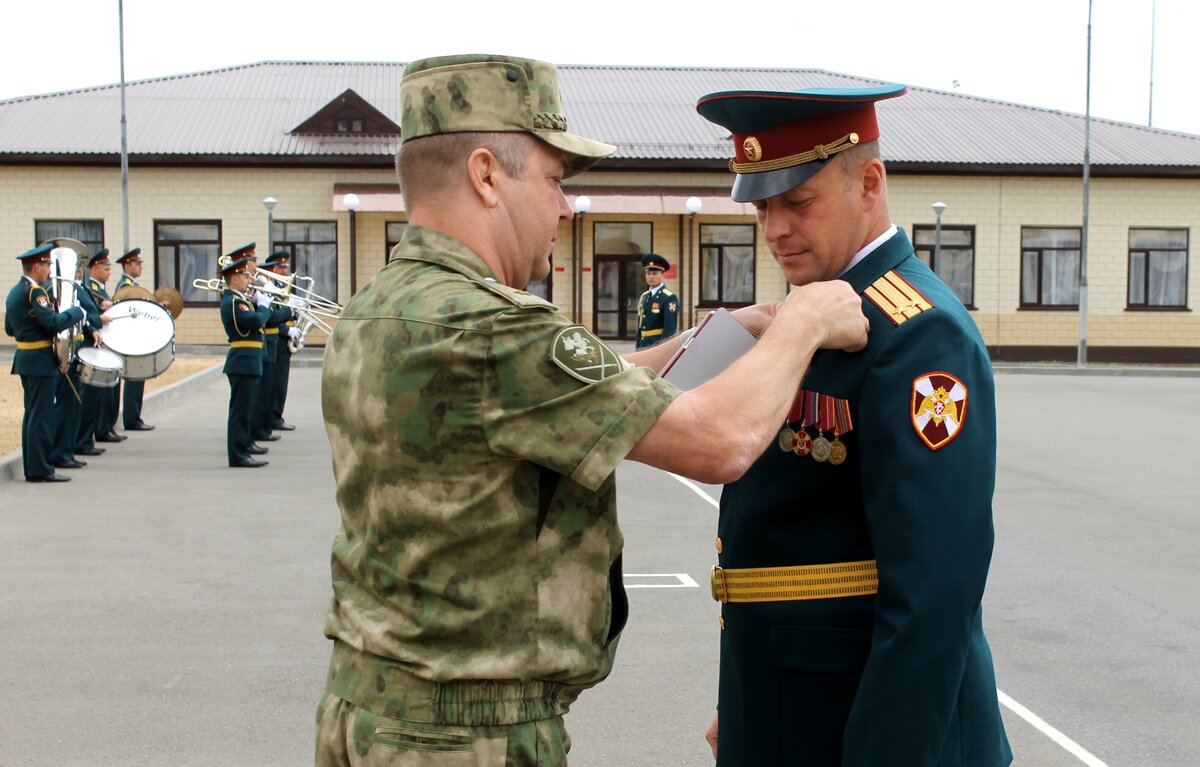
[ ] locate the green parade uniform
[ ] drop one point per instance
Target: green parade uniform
(853, 555)
(904, 676)
(658, 316)
(243, 366)
(135, 391)
(265, 398)
(89, 396)
(104, 401)
(30, 317)
(283, 371)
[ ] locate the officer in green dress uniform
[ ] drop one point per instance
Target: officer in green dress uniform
(854, 553)
(475, 433)
(32, 319)
(131, 411)
(89, 396)
(280, 263)
(243, 323)
(106, 401)
(658, 308)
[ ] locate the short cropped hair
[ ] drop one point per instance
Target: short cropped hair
(425, 165)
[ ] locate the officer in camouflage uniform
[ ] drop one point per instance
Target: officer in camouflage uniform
(853, 554)
(475, 433)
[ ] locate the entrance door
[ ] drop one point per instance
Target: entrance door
(619, 283)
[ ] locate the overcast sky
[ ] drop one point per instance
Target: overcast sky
(1026, 51)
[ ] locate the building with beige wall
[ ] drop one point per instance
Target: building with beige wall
(206, 149)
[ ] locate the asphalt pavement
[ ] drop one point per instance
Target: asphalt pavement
(163, 608)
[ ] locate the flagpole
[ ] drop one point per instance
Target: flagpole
(124, 142)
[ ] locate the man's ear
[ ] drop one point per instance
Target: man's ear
(482, 167)
(871, 176)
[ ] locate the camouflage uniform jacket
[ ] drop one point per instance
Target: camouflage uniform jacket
(475, 474)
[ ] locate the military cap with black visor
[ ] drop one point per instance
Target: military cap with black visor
(782, 139)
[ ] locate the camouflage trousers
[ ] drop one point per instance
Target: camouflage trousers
(351, 736)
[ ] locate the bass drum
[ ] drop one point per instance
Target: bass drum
(143, 334)
(99, 367)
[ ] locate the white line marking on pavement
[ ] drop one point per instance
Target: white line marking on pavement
(697, 490)
(1070, 746)
(682, 581)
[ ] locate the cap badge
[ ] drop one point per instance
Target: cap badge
(752, 148)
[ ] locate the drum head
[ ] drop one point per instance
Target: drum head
(100, 358)
(137, 327)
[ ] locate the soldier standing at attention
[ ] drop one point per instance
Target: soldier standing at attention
(31, 318)
(104, 403)
(131, 412)
(243, 362)
(280, 263)
(853, 554)
(475, 433)
(658, 308)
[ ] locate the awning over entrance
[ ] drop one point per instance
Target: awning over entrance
(386, 198)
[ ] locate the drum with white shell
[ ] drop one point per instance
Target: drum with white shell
(143, 334)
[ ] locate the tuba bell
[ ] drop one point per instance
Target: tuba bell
(64, 265)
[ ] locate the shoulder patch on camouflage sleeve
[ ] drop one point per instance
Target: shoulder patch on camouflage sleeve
(939, 408)
(897, 298)
(581, 355)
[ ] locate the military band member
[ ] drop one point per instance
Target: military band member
(274, 336)
(69, 389)
(243, 323)
(32, 319)
(280, 263)
(658, 308)
(131, 411)
(106, 401)
(854, 553)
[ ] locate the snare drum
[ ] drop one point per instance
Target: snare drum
(99, 368)
(143, 333)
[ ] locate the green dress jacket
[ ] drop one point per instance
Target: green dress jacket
(902, 677)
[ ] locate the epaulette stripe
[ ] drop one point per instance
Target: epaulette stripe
(897, 298)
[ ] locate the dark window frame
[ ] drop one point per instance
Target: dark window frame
(1146, 306)
(932, 260)
(279, 242)
(39, 239)
(177, 264)
(1040, 305)
(701, 246)
(597, 255)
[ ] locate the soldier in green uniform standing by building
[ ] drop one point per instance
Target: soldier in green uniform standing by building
(131, 409)
(70, 392)
(475, 433)
(274, 336)
(243, 323)
(32, 319)
(854, 553)
(101, 405)
(658, 307)
(280, 263)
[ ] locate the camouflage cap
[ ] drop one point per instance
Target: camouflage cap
(479, 92)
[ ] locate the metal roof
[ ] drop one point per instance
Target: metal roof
(245, 113)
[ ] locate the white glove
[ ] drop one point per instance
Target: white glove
(295, 302)
(294, 333)
(262, 299)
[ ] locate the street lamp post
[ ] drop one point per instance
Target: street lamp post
(939, 208)
(351, 202)
(269, 203)
(583, 204)
(693, 204)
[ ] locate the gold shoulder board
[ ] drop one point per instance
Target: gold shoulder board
(897, 298)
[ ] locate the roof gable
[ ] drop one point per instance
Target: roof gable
(348, 113)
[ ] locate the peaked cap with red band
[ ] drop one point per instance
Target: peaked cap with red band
(783, 138)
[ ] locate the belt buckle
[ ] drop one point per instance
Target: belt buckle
(717, 583)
